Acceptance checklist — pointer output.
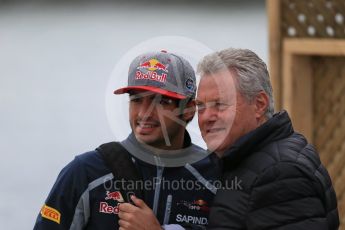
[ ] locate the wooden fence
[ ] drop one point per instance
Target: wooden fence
(307, 67)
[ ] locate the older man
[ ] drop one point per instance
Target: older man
(283, 183)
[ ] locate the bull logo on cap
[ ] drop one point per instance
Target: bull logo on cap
(152, 65)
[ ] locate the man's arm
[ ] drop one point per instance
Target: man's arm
(287, 197)
(229, 209)
(60, 206)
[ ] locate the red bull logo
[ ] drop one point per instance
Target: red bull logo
(152, 65)
(153, 76)
(116, 196)
(108, 209)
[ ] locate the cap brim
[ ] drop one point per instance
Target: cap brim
(152, 89)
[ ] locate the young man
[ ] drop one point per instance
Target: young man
(89, 190)
(283, 183)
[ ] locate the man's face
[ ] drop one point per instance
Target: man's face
(155, 121)
(224, 114)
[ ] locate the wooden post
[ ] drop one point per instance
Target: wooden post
(274, 20)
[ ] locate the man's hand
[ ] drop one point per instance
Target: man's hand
(139, 216)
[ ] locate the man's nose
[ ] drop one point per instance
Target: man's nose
(146, 108)
(209, 114)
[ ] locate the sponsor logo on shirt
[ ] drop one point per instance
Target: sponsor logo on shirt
(191, 219)
(50, 213)
(105, 207)
(117, 196)
(198, 205)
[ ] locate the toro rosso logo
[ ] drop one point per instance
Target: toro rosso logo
(152, 65)
(197, 205)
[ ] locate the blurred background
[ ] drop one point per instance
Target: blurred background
(55, 63)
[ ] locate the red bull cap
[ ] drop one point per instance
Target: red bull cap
(161, 72)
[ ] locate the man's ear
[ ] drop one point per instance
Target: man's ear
(189, 111)
(261, 104)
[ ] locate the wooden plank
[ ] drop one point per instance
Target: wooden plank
(287, 89)
(298, 92)
(275, 48)
(322, 47)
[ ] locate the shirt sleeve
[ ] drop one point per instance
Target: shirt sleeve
(59, 208)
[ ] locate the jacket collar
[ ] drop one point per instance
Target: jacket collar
(276, 128)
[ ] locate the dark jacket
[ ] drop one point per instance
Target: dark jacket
(273, 179)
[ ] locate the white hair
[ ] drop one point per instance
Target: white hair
(251, 72)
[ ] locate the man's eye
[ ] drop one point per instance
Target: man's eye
(134, 98)
(166, 101)
(221, 106)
